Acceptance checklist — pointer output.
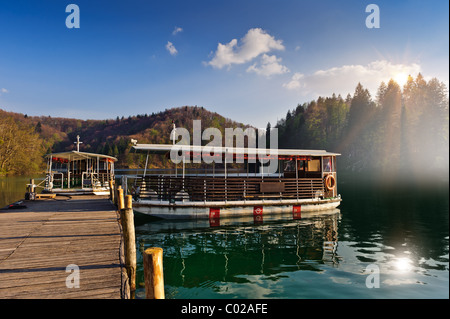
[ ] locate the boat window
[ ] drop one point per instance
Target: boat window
(314, 165)
(289, 166)
(327, 164)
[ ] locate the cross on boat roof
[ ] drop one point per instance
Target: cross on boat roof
(78, 143)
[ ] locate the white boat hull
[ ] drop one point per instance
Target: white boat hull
(202, 210)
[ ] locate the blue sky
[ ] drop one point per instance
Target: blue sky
(247, 60)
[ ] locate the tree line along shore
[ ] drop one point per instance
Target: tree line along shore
(400, 130)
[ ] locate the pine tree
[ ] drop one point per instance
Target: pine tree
(357, 144)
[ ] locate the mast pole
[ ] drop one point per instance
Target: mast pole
(173, 137)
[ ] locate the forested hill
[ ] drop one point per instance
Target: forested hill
(112, 137)
(400, 130)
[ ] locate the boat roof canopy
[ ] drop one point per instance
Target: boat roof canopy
(75, 156)
(165, 148)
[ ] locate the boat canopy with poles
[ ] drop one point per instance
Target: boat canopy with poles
(76, 172)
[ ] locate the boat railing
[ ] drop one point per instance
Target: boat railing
(57, 179)
(207, 189)
(95, 180)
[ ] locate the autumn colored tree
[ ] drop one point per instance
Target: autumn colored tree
(21, 149)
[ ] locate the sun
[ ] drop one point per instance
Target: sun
(401, 78)
(403, 264)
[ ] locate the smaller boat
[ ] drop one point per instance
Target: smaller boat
(75, 172)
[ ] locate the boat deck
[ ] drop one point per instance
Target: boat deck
(39, 241)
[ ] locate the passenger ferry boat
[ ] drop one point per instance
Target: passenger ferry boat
(305, 181)
(75, 172)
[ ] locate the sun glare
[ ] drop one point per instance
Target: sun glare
(403, 264)
(401, 78)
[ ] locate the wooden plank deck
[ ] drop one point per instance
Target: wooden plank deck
(38, 242)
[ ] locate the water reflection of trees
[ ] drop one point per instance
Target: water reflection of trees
(228, 253)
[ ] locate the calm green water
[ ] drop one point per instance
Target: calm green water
(13, 189)
(404, 231)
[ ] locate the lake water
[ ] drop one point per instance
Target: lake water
(13, 188)
(396, 239)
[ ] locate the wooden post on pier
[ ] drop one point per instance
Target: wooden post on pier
(115, 193)
(153, 273)
(31, 185)
(127, 219)
(30, 194)
(111, 190)
(120, 201)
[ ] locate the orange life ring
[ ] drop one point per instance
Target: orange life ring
(330, 182)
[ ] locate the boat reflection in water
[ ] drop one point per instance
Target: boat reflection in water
(203, 259)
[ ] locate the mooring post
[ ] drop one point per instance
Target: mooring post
(30, 194)
(127, 219)
(111, 190)
(120, 200)
(31, 185)
(153, 273)
(116, 193)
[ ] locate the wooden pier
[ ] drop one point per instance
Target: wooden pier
(40, 243)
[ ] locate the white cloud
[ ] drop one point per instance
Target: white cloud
(3, 90)
(254, 43)
(295, 82)
(177, 30)
(269, 65)
(343, 79)
(171, 48)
